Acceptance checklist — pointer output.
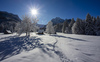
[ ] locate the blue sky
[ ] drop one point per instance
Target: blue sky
(49, 9)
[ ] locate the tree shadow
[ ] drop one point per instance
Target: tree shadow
(16, 45)
(68, 37)
(89, 54)
(8, 37)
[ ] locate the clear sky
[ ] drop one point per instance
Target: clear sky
(49, 9)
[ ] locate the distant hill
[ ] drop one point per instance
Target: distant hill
(8, 21)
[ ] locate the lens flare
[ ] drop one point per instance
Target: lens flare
(34, 12)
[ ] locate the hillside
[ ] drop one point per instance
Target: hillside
(8, 20)
(5, 16)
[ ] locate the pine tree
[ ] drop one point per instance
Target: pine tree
(89, 29)
(94, 21)
(77, 28)
(65, 24)
(70, 25)
(50, 28)
(58, 27)
(88, 18)
(97, 25)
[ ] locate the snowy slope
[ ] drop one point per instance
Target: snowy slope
(53, 48)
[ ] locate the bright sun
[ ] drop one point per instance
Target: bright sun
(34, 12)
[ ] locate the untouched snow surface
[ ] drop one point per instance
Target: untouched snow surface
(49, 48)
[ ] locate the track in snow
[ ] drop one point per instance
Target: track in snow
(62, 56)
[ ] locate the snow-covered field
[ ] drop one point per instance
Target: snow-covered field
(49, 48)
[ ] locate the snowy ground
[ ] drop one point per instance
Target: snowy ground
(49, 48)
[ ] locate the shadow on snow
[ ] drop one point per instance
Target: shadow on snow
(16, 45)
(68, 37)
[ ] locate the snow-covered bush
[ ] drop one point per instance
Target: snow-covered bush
(50, 28)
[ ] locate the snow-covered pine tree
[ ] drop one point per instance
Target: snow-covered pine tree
(50, 28)
(65, 24)
(88, 18)
(94, 21)
(89, 28)
(97, 25)
(58, 27)
(70, 25)
(94, 24)
(77, 27)
(67, 30)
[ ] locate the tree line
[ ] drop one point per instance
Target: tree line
(89, 26)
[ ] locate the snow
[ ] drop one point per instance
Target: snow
(8, 31)
(35, 55)
(51, 48)
(81, 48)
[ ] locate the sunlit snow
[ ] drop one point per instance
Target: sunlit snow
(49, 48)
